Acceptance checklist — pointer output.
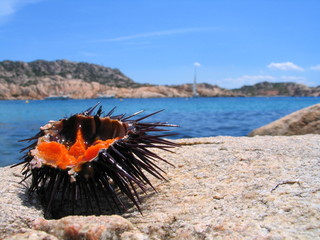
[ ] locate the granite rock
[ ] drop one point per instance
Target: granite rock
(18, 211)
(89, 227)
(263, 187)
(32, 235)
(304, 121)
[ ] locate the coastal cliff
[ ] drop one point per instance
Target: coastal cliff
(41, 79)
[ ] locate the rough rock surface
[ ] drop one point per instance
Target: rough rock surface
(32, 235)
(304, 121)
(89, 227)
(262, 187)
(17, 211)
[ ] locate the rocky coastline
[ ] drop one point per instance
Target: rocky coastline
(42, 79)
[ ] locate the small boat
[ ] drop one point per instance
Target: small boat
(104, 96)
(54, 97)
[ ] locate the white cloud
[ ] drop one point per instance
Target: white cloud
(6, 8)
(285, 66)
(196, 64)
(316, 67)
(157, 33)
(9, 7)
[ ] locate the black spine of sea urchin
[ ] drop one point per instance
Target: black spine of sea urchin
(118, 170)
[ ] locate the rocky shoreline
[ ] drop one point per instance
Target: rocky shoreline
(263, 187)
(47, 87)
(301, 122)
(78, 80)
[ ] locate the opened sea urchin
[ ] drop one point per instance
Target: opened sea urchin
(91, 161)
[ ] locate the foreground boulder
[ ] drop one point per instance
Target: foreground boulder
(305, 121)
(220, 188)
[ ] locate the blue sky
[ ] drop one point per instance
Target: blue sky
(232, 42)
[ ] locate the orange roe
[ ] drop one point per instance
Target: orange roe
(56, 154)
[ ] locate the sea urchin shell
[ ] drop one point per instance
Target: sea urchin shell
(77, 160)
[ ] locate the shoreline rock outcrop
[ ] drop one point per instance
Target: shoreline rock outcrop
(259, 187)
(304, 121)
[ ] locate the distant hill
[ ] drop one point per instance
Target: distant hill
(207, 90)
(278, 89)
(27, 73)
(41, 79)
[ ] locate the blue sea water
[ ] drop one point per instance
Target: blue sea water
(197, 117)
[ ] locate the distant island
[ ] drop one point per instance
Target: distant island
(79, 80)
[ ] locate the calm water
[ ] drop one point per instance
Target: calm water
(199, 117)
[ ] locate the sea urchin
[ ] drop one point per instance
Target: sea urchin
(76, 160)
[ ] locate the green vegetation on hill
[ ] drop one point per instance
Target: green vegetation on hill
(277, 89)
(17, 72)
